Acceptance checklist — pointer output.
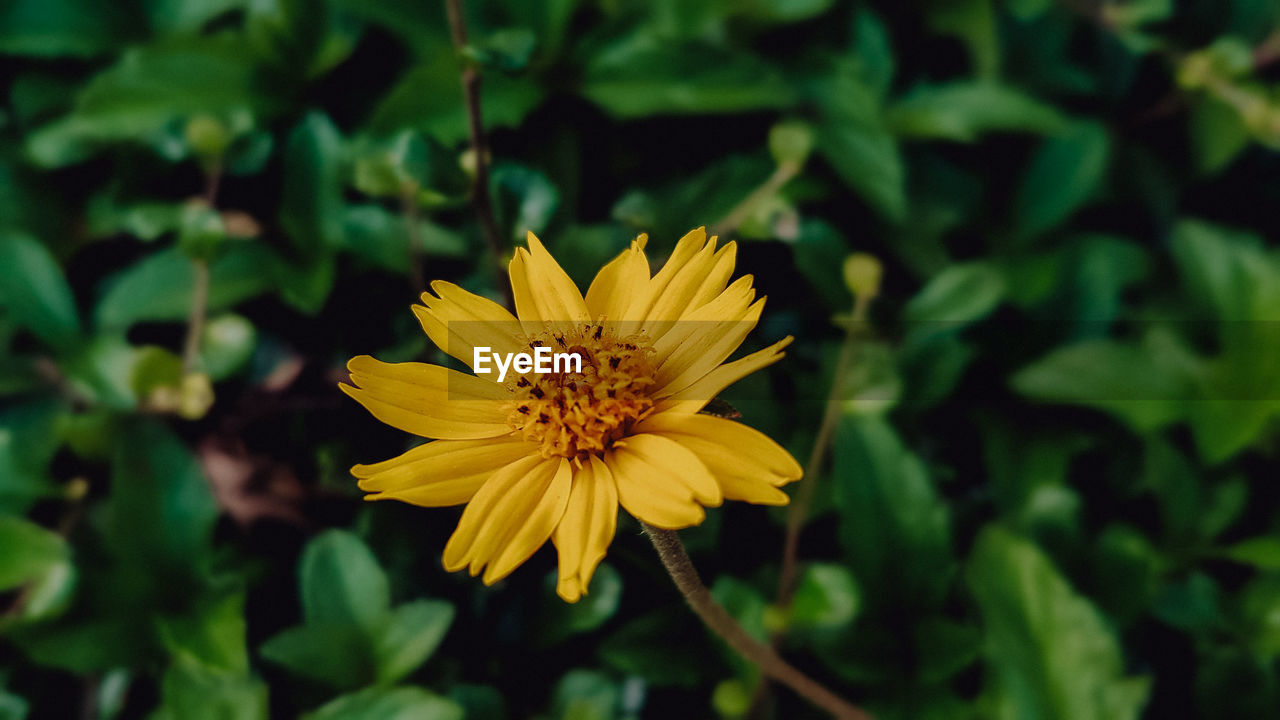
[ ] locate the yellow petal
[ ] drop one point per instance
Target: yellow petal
(542, 290)
(640, 304)
(705, 351)
(694, 397)
(649, 496)
(459, 321)
(710, 319)
(674, 300)
(675, 462)
(429, 400)
(587, 528)
(717, 279)
(440, 473)
(722, 443)
(503, 501)
(528, 530)
(619, 282)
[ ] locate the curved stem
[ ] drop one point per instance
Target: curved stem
(676, 560)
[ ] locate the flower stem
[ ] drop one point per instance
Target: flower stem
(480, 198)
(677, 562)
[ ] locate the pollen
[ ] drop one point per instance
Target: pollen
(575, 414)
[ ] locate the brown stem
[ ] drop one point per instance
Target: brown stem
(676, 560)
(480, 199)
(195, 320)
(798, 513)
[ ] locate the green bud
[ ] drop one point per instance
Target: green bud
(195, 396)
(790, 143)
(862, 275)
(207, 136)
(731, 699)
(226, 345)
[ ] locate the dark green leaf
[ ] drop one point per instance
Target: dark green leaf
(35, 291)
(311, 206)
(1064, 174)
(963, 111)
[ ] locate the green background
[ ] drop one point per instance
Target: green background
(1052, 488)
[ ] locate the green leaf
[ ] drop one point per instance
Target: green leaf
(954, 298)
(159, 287)
(12, 707)
(973, 22)
(585, 695)
(35, 291)
(1262, 552)
(559, 620)
(147, 90)
(212, 634)
(893, 526)
(856, 142)
(408, 636)
(1064, 174)
(337, 654)
(306, 285)
(647, 77)
(826, 597)
(1050, 653)
(311, 207)
(1218, 133)
(226, 345)
(962, 111)
(342, 582)
(382, 238)
(1127, 381)
(524, 200)
(161, 512)
(190, 691)
(59, 28)
(29, 551)
(408, 703)
(429, 98)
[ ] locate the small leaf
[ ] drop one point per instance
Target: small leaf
(192, 692)
(1262, 552)
(29, 551)
(408, 636)
(36, 292)
(560, 620)
(408, 703)
(1062, 176)
(963, 111)
(342, 582)
(827, 597)
(311, 206)
(337, 654)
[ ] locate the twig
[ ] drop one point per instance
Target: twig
(740, 212)
(676, 560)
(480, 199)
(798, 513)
(200, 282)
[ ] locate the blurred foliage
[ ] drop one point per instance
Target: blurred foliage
(1053, 486)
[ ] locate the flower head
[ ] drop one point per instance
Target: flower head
(552, 450)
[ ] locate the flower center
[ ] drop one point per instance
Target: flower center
(572, 414)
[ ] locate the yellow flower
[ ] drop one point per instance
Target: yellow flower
(540, 455)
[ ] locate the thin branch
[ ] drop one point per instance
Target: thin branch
(676, 560)
(195, 320)
(740, 212)
(480, 198)
(798, 513)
